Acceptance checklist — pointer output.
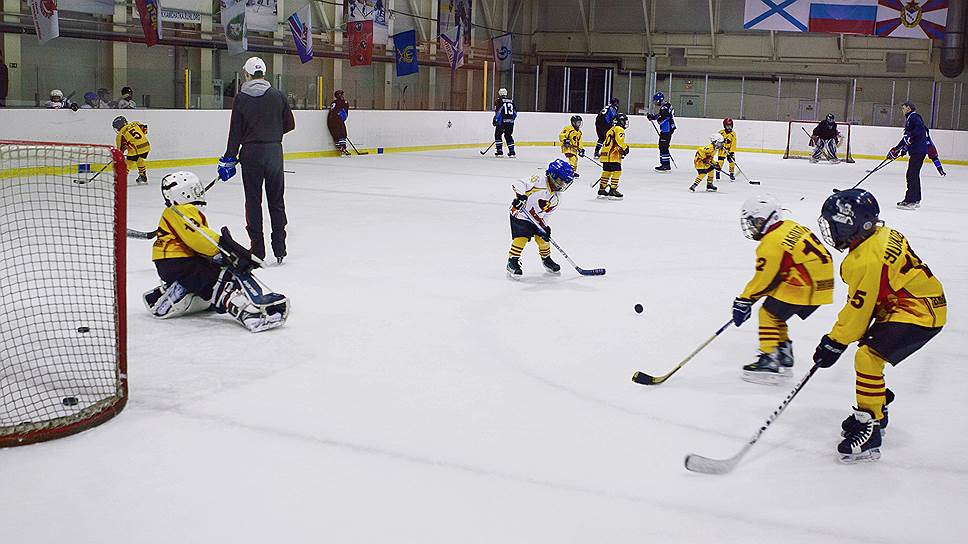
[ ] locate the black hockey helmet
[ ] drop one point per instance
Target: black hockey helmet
(126, 91)
(576, 121)
(338, 94)
(119, 123)
(830, 117)
(622, 120)
(848, 217)
(613, 102)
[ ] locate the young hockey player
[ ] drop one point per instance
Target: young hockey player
(825, 139)
(887, 283)
(504, 115)
(666, 117)
(603, 122)
(570, 138)
(202, 270)
(794, 275)
(339, 110)
(728, 151)
(614, 149)
(534, 199)
(933, 155)
(133, 142)
(704, 161)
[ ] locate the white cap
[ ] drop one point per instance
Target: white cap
(253, 65)
(502, 92)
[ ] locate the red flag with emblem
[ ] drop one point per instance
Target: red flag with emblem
(360, 36)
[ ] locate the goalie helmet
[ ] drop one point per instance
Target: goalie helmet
(182, 188)
(119, 123)
(502, 92)
(758, 214)
(848, 217)
(560, 175)
(622, 120)
(56, 95)
(576, 121)
(716, 139)
(728, 123)
(658, 97)
(830, 117)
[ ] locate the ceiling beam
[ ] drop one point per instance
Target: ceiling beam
(648, 31)
(584, 25)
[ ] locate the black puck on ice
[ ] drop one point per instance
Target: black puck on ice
(84, 329)
(69, 401)
(639, 308)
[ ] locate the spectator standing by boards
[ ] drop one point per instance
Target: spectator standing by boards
(260, 116)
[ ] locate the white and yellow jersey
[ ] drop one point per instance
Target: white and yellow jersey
(541, 199)
(178, 238)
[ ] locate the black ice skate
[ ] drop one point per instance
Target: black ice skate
(764, 370)
(142, 180)
(663, 168)
(603, 192)
(864, 444)
(499, 152)
(784, 357)
(693, 187)
(732, 176)
(511, 154)
(514, 268)
(551, 266)
(903, 205)
(577, 175)
(711, 188)
(615, 195)
(850, 426)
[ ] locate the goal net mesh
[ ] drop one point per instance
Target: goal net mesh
(62, 311)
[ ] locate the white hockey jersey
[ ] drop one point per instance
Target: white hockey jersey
(541, 199)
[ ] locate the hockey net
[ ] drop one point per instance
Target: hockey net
(798, 141)
(62, 289)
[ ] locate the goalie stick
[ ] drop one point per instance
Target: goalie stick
(645, 379)
(707, 465)
(580, 270)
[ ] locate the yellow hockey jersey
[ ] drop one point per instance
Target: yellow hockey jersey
(729, 142)
(570, 139)
(614, 148)
(705, 156)
(178, 238)
(792, 266)
(541, 199)
(132, 139)
(887, 282)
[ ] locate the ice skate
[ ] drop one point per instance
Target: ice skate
(850, 425)
(142, 180)
(663, 168)
(693, 187)
(903, 205)
(710, 188)
(864, 443)
(514, 268)
(784, 357)
(550, 266)
(603, 192)
(732, 176)
(615, 195)
(764, 370)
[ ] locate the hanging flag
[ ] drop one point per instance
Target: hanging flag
(502, 51)
(785, 15)
(454, 13)
(452, 43)
(370, 10)
(150, 13)
(405, 49)
(360, 36)
(301, 25)
(924, 19)
(46, 24)
(843, 16)
(233, 20)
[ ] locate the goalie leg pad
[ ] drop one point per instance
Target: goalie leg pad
(173, 301)
(242, 298)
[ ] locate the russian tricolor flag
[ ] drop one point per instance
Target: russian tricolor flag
(843, 16)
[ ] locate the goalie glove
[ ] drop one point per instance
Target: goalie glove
(814, 141)
(234, 256)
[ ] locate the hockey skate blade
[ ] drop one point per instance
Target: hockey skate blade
(705, 465)
(864, 457)
(763, 378)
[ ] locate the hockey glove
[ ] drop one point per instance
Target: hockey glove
(226, 168)
(238, 259)
(742, 309)
(814, 141)
(519, 202)
(731, 157)
(651, 116)
(581, 151)
(547, 233)
(625, 151)
(828, 351)
(896, 151)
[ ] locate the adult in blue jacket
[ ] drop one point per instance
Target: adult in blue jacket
(915, 143)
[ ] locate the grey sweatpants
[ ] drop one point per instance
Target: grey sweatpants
(262, 164)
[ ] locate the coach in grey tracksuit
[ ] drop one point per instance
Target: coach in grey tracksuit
(260, 116)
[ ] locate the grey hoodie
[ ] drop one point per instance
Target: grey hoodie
(260, 115)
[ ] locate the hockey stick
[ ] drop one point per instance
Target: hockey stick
(92, 178)
(645, 379)
(598, 164)
(580, 270)
(751, 181)
(488, 148)
(822, 150)
(357, 150)
(884, 163)
(673, 159)
(142, 235)
(706, 465)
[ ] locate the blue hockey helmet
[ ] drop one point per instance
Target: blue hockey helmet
(658, 97)
(848, 217)
(560, 175)
(90, 96)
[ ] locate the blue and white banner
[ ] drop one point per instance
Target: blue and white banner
(502, 51)
(783, 15)
(236, 32)
(405, 49)
(301, 26)
(260, 15)
(452, 42)
(46, 23)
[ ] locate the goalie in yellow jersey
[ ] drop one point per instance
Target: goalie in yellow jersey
(202, 270)
(728, 151)
(794, 275)
(570, 138)
(895, 305)
(133, 142)
(614, 149)
(705, 163)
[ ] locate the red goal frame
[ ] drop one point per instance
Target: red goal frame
(787, 154)
(105, 409)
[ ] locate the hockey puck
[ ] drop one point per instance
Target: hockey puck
(84, 329)
(69, 401)
(639, 309)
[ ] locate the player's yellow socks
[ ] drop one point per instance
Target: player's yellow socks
(773, 331)
(614, 182)
(871, 389)
(517, 246)
(544, 248)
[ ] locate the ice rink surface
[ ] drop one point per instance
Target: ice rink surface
(417, 394)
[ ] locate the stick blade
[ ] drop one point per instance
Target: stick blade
(592, 272)
(705, 465)
(755, 182)
(645, 379)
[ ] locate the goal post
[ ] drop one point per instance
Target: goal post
(63, 365)
(798, 140)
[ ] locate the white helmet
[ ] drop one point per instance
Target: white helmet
(182, 188)
(759, 213)
(717, 140)
(56, 94)
(502, 92)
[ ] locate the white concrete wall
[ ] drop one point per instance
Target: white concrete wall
(180, 134)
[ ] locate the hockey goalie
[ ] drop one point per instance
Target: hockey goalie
(202, 270)
(825, 140)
